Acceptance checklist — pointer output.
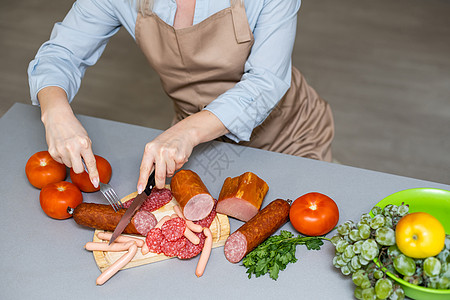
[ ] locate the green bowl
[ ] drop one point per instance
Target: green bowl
(435, 202)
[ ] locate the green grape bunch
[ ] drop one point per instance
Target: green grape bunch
(357, 245)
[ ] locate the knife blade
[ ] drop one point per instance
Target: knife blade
(137, 202)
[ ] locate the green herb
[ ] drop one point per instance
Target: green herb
(273, 255)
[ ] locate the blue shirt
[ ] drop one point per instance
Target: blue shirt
(79, 40)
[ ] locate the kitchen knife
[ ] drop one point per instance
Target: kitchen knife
(137, 202)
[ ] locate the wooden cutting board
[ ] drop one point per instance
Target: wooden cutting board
(220, 229)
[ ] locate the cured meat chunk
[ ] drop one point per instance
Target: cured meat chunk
(256, 230)
(241, 197)
(192, 195)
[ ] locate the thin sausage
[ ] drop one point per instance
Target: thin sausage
(177, 210)
(120, 239)
(114, 247)
(192, 195)
(256, 230)
(192, 237)
(206, 252)
(145, 249)
(194, 227)
(162, 221)
(119, 264)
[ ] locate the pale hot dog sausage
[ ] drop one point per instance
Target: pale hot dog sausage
(206, 252)
(114, 247)
(192, 237)
(119, 264)
(120, 239)
(162, 221)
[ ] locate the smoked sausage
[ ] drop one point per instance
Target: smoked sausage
(192, 195)
(256, 230)
(241, 197)
(103, 216)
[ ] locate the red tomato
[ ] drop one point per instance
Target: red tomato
(82, 180)
(41, 169)
(314, 214)
(57, 197)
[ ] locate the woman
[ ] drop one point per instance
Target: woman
(226, 66)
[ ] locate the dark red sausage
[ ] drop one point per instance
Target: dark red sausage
(192, 195)
(103, 216)
(256, 230)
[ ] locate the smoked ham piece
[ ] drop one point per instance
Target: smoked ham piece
(192, 195)
(241, 197)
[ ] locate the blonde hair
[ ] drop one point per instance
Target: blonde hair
(144, 6)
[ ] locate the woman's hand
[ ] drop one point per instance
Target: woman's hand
(170, 151)
(67, 140)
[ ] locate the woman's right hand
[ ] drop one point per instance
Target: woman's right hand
(67, 140)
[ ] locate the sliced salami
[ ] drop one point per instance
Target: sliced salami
(154, 240)
(191, 250)
(171, 248)
(173, 229)
(144, 221)
(157, 199)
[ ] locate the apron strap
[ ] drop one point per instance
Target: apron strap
(145, 8)
(241, 29)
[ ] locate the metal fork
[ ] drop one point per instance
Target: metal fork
(111, 196)
(108, 192)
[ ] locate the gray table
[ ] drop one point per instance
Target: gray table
(43, 258)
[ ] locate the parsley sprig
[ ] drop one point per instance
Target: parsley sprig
(273, 255)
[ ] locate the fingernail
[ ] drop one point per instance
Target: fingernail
(140, 189)
(95, 182)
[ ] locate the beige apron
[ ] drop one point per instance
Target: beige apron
(198, 63)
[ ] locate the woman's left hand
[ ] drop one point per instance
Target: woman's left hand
(170, 150)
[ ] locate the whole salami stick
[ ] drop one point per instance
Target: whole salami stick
(256, 230)
(103, 216)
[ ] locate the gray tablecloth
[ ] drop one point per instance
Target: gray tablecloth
(43, 258)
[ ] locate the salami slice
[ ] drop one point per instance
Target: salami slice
(173, 229)
(154, 240)
(191, 250)
(157, 199)
(171, 248)
(144, 221)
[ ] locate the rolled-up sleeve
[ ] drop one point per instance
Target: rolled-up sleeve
(267, 72)
(75, 44)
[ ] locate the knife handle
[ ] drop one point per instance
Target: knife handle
(150, 183)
